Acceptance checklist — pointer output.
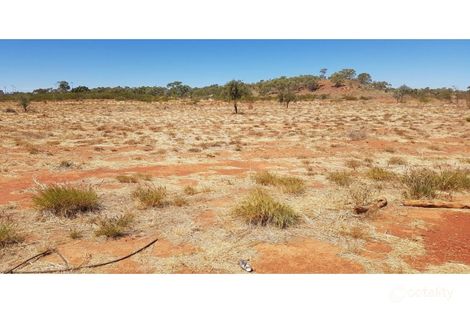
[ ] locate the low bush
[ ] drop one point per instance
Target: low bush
(66, 200)
(380, 174)
(190, 190)
(127, 179)
(341, 178)
(150, 196)
(115, 227)
(9, 234)
(287, 184)
(420, 183)
(259, 208)
(424, 183)
(397, 161)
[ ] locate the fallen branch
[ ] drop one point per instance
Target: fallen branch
(436, 204)
(30, 260)
(71, 269)
(377, 204)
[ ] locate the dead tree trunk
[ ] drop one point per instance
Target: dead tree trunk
(436, 204)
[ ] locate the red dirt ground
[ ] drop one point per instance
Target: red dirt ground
(302, 255)
(447, 241)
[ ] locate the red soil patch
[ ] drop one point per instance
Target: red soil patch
(188, 182)
(76, 252)
(302, 255)
(446, 241)
(9, 187)
(398, 221)
(376, 250)
(206, 218)
(446, 234)
(164, 249)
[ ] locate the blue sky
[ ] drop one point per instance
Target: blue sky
(31, 64)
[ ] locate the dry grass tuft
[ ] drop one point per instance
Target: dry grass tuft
(380, 174)
(133, 179)
(75, 234)
(180, 201)
(127, 179)
(150, 196)
(66, 200)
(115, 227)
(353, 164)
(288, 184)
(424, 183)
(259, 208)
(397, 161)
(9, 234)
(420, 183)
(454, 180)
(357, 135)
(355, 232)
(341, 178)
(190, 190)
(360, 194)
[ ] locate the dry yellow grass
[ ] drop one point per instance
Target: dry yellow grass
(260, 208)
(310, 150)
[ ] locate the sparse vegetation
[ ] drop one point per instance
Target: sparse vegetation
(424, 183)
(115, 227)
(133, 179)
(341, 178)
(236, 90)
(9, 233)
(357, 135)
(397, 161)
(187, 136)
(180, 201)
(128, 179)
(150, 196)
(380, 174)
(24, 103)
(360, 194)
(67, 200)
(287, 184)
(75, 234)
(190, 190)
(259, 208)
(420, 183)
(353, 164)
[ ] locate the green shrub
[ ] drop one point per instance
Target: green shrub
(66, 200)
(259, 208)
(24, 102)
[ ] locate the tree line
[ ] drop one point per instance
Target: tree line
(285, 89)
